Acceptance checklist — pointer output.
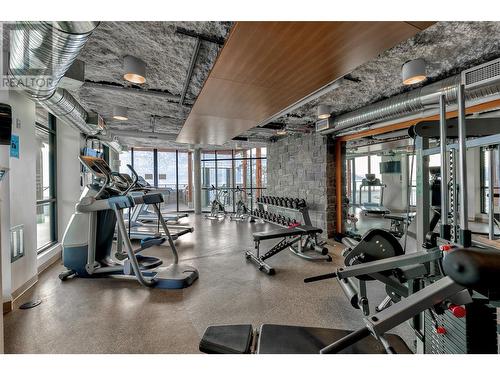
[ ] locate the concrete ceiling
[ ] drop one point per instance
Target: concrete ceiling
(448, 47)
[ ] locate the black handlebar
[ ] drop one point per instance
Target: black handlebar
(473, 267)
(320, 277)
(346, 341)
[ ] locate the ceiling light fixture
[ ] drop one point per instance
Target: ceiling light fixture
(120, 113)
(324, 111)
(413, 71)
(134, 69)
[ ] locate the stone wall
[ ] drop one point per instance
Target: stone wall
(302, 167)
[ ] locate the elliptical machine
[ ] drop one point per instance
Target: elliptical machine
(88, 239)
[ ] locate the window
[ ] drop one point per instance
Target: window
(46, 200)
(125, 158)
(144, 165)
(230, 169)
(434, 161)
(485, 179)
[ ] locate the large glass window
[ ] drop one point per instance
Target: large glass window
(185, 180)
(46, 201)
(434, 161)
(167, 177)
(232, 169)
(125, 158)
(485, 180)
(144, 164)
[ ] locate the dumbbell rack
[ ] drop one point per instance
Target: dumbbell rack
(301, 217)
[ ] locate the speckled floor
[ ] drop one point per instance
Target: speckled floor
(118, 316)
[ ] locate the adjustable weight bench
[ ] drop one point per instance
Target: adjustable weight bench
(290, 238)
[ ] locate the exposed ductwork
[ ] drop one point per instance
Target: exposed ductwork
(421, 100)
(64, 106)
(50, 48)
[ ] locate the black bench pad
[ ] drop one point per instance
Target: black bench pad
(301, 230)
(227, 339)
(283, 339)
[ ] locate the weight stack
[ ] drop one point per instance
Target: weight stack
(476, 333)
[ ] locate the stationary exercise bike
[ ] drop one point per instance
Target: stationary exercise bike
(217, 209)
(241, 207)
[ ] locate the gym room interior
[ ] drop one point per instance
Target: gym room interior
(268, 185)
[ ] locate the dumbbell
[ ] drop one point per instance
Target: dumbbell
(302, 203)
(295, 203)
(288, 202)
(283, 202)
(273, 201)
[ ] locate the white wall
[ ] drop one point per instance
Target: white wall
(5, 225)
(22, 178)
(22, 195)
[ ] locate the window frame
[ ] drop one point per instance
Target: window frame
(254, 191)
(51, 130)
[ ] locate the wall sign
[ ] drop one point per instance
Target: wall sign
(14, 146)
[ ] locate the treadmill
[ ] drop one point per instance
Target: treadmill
(372, 208)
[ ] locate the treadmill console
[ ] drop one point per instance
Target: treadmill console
(97, 166)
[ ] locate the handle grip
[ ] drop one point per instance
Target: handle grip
(320, 277)
(346, 341)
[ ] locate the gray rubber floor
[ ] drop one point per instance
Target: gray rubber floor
(118, 316)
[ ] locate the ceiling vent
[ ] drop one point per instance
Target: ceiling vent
(324, 124)
(482, 74)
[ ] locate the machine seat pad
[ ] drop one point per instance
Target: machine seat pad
(227, 339)
(301, 230)
(283, 339)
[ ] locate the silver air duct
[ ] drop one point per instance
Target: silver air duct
(416, 101)
(50, 48)
(64, 106)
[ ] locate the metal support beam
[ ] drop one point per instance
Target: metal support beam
(197, 180)
(462, 161)
(444, 160)
(423, 197)
(491, 195)
(192, 64)
(208, 38)
(126, 89)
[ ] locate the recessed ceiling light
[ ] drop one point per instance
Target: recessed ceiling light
(324, 111)
(134, 69)
(120, 113)
(413, 71)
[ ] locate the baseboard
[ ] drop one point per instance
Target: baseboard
(7, 307)
(24, 288)
(53, 259)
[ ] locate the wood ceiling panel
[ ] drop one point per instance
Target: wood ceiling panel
(266, 66)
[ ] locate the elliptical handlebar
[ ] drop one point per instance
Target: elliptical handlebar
(135, 178)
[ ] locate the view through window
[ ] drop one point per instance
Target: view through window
(46, 211)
